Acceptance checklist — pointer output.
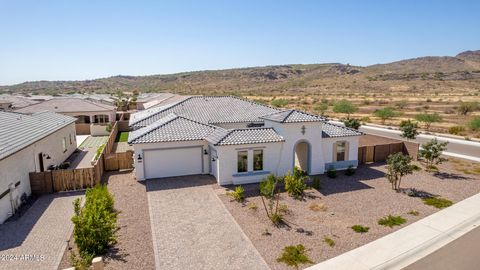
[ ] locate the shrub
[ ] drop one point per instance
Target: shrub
(344, 106)
(413, 213)
(360, 228)
(94, 223)
(392, 221)
(474, 124)
(352, 123)
(385, 113)
(320, 108)
(428, 119)
(316, 183)
(252, 206)
(350, 171)
(456, 130)
(332, 172)
(279, 102)
(268, 191)
(295, 183)
(317, 207)
(108, 128)
(398, 165)
(329, 241)
(238, 194)
(432, 151)
(294, 256)
(409, 129)
(439, 203)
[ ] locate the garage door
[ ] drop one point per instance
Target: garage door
(173, 162)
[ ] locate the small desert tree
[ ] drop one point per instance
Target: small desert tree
(344, 106)
(398, 165)
(385, 113)
(432, 152)
(467, 107)
(268, 192)
(352, 123)
(428, 119)
(409, 129)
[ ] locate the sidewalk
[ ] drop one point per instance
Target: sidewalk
(408, 245)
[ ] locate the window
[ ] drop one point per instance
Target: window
(242, 161)
(101, 119)
(64, 144)
(341, 151)
(257, 160)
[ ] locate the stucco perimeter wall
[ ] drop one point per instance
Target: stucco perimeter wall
(226, 163)
(17, 167)
(139, 148)
(292, 133)
(352, 158)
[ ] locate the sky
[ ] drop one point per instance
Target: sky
(77, 40)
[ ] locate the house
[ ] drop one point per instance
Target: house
(30, 143)
(5, 105)
(236, 140)
(149, 100)
(17, 101)
(92, 117)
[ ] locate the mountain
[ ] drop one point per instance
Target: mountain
(273, 80)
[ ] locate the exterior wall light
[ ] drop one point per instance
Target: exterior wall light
(205, 152)
(139, 158)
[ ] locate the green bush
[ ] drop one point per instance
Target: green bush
(456, 130)
(474, 124)
(279, 102)
(439, 203)
(329, 241)
(413, 213)
(360, 228)
(294, 256)
(392, 221)
(94, 223)
(99, 151)
(332, 172)
(350, 171)
(352, 123)
(238, 194)
(295, 183)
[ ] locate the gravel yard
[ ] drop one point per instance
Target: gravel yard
(134, 249)
(342, 202)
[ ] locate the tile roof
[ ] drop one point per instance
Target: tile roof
(169, 129)
(208, 110)
(293, 116)
(244, 136)
(330, 130)
(62, 105)
(19, 130)
(17, 101)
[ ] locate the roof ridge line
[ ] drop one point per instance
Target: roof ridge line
(154, 127)
(229, 131)
(156, 113)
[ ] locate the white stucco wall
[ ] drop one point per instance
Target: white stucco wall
(292, 133)
(140, 148)
(17, 167)
(352, 149)
(226, 162)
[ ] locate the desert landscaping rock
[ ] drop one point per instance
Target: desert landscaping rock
(363, 198)
(193, 230)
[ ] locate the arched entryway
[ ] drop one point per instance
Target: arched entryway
(301, 155)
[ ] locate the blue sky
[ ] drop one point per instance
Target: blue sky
(67, 40)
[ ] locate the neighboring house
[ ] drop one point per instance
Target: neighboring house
(5, 105)
(236, 140)
(17, 101)
(92, 117)
(149, 100)
(30, 143)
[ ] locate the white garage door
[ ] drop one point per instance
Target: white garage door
(173, 162)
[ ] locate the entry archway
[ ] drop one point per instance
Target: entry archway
(301, 155)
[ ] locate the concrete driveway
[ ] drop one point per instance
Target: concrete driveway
(192, 229)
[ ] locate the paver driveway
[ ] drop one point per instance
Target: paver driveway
(192, 229)
(37, 240)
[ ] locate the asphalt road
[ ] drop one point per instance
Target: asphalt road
(461, 254)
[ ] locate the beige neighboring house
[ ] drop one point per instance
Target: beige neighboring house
(92, 117)
(5, 105)
(30, 143)
(149, 100)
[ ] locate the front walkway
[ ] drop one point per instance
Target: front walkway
(38, 239)
(82, 157)
(192, 229)
(408, 245)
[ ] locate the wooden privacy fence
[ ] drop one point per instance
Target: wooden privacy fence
(63, 180)
(119, 161)
(379, 153)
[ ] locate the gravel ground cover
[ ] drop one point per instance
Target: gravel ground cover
(361, 199)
